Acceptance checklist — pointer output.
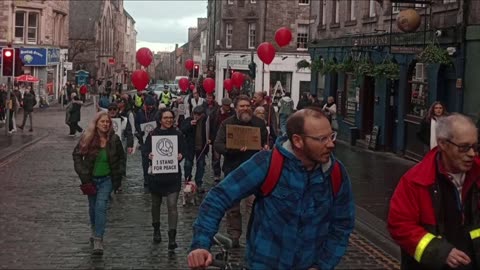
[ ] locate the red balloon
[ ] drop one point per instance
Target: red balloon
(283, 36)
(183, 84)
(237, 79)
(144, 56)
(228, 84)
(140, 79)
(189, 64)
(209, 85)
(266, 52)
(192, 87)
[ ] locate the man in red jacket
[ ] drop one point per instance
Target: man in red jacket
(435, 210)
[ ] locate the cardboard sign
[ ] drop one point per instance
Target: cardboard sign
(147, 128)
(117, 127)
(165, 154)
(243, 136)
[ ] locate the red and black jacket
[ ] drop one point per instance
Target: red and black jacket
(427, 218)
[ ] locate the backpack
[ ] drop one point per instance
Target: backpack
(275, 171)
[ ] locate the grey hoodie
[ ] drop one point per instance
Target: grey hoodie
(286, 105)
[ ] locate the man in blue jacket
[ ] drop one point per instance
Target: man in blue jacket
(301, 224)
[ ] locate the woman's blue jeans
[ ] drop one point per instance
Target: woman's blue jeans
(97, 204)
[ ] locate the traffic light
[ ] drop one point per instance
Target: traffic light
(252, 69)
(64, 72)
(8, 54)
(196, 68)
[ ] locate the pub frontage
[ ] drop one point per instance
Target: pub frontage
(382, 88)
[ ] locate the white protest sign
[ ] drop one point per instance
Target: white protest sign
(147, 128)
(165, 154)
(181, 109)
(117, 126)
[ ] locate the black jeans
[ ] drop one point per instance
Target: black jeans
(25, 115)
(74, 127)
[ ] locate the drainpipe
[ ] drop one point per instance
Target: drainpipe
(465, 9)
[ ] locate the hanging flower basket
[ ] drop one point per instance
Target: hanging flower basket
(347, 66)
(303, 64)
(389, 70)
(434, 54)
(364, 68)
(317, 66)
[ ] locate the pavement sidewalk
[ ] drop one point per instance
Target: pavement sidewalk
(12, 143)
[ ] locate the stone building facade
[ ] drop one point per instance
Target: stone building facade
(382, 112)
(39, 29)
(236, 28)
(101, 41)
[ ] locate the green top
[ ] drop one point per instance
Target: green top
(102, 167)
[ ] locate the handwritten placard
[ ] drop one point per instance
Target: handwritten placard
(165, 154)
(243, 136)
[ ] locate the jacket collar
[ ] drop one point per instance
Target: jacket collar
(425, 172)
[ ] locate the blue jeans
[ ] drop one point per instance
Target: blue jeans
(283, 123)
(97, 204)
(188, 166)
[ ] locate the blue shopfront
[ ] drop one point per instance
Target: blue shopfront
(379, 112)
(43, 63)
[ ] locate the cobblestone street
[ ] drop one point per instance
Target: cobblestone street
(44, 216)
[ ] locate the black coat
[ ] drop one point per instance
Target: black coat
(29, 102)
(74, 110)
(190, 132)
(164, 184)
(84, 164)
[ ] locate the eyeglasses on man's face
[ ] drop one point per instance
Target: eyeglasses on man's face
(323, 139)
(464, 148)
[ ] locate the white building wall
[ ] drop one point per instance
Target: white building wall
(262, 78)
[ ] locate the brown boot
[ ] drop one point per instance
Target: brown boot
(97, 246)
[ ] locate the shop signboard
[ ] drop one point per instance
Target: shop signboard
(33, 56)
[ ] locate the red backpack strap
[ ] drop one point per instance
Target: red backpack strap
(336, 176)
(274, 172)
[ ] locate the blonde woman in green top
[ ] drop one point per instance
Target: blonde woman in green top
(99, 159)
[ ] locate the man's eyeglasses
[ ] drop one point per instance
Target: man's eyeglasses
(323, 139)
(112, 109)
(466, 147)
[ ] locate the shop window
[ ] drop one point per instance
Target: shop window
(418, 98)
(280, 82)
(26, 27)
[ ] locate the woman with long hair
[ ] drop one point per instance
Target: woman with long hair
(166, 184)
(427, 127)
(99, 161)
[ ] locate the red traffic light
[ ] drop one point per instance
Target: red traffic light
(196, 67)
(7, 53)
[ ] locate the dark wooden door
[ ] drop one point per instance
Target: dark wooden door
(368, 102)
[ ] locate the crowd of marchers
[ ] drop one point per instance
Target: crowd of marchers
(298, 195)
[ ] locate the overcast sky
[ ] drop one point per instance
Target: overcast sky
(160, 24)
